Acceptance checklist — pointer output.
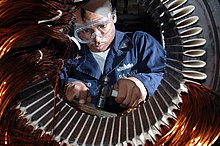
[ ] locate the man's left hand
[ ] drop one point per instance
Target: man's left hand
(131, 92)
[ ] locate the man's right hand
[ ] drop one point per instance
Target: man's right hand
(77, 90)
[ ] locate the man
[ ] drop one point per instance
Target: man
(134, 62)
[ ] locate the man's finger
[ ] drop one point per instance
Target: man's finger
(70, 94)
(83, 96)
(89, 99)
(135, 95)
(122, 90)
(82, 101)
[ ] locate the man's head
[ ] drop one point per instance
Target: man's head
(94, 25)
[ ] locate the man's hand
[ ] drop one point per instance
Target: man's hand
(77, 90)
(131, 91)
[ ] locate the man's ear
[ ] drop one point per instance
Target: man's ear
(114, 17)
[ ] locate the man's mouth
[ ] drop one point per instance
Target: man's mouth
(98, 46)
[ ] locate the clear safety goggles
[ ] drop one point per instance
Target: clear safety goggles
(86, 32)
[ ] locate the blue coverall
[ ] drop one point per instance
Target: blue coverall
(131, 54)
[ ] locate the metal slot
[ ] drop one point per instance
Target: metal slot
(182, 12)
(190, 32)
(175, 4)
(194, 75)
(187, 22)
(194, 42)
(194, 53)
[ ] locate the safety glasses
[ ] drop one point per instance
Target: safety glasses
(86, 32)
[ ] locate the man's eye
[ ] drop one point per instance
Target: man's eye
(103, 26)
(86, 30)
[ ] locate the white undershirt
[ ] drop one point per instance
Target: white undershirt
(100, 57)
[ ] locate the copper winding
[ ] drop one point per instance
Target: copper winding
(199, 118)
(19, 61)
(19, 65)
(23, 31)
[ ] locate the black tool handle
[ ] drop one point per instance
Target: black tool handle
(104, 92)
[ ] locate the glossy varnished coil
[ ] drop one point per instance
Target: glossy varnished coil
(184, 49)
(143, 123)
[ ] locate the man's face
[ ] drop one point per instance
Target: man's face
(95, 30)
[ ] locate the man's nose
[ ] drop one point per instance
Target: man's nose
(97, 37)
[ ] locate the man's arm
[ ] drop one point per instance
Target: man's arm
(151, 66)
(135, 89)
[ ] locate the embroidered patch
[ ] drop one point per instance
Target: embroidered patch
(78, 56)
(124, 67)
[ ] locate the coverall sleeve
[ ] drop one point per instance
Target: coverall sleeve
(151, 61)
(64, 76)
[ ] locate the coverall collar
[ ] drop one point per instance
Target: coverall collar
(89, 65)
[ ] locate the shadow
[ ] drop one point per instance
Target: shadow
(138, 22)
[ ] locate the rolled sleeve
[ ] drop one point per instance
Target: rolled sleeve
(151, 81)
